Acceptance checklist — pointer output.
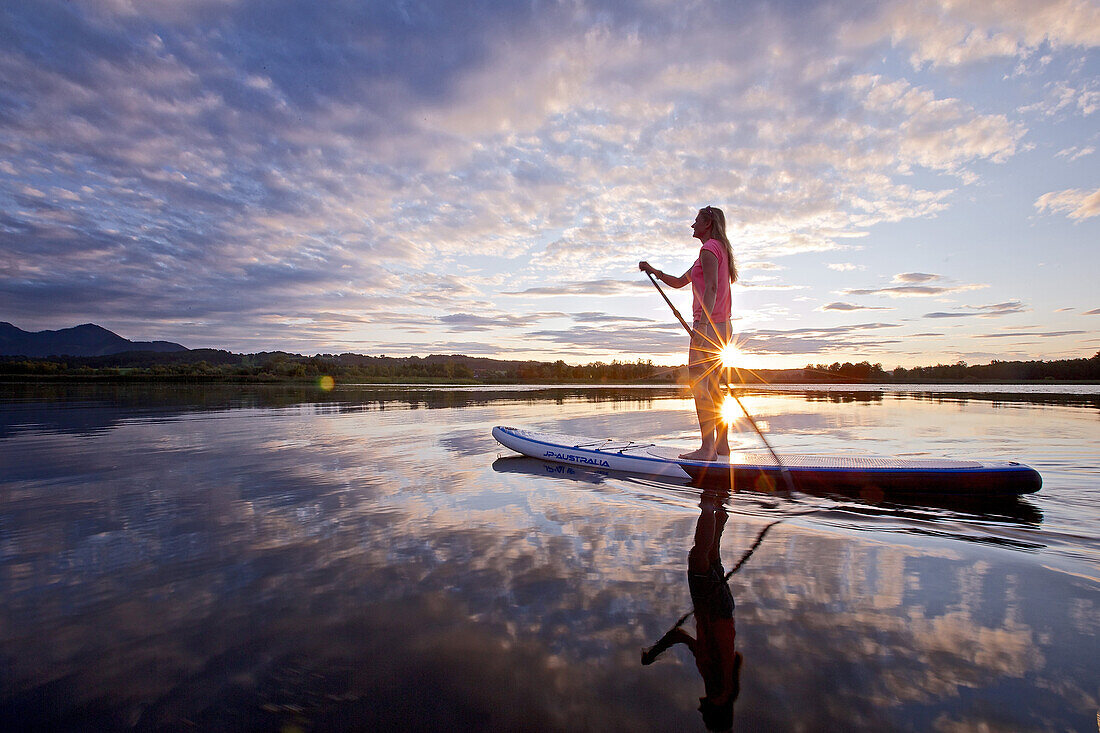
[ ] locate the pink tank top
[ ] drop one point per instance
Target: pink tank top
(723, 301)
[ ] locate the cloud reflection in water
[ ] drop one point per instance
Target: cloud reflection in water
(280, 561)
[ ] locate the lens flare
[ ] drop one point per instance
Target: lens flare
(728, 410)
(326, 383)
(729, 355)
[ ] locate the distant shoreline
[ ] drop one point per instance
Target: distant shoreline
(223, 367)
(260, 380)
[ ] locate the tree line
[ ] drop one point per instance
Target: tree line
(217, 365)
(995, 371)
(1008, 371)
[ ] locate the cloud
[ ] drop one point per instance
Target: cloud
(471, 322)
(947, 34)
(838, 306)
(1075, 152)
(1044, 334)
(220, 169)
(941, 134)
(598, 288)
(1093, 312)
(845, 266)
(815, 340)
(985, 311)
(832, 330)
(812, 340)
(468, 348)
(760, 266)
(915, 277)
(667, 340)
(1062, 97)
(1076, 203)
(909, 285)
(906, 291)
(759, 286)
(596, 317)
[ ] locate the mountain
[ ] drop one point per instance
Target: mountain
(86, 340)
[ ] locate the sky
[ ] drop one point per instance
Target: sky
(906, 183)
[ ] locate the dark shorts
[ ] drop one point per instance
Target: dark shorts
(703, 355)
(711, 593)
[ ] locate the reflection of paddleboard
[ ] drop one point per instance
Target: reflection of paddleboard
(865, 475)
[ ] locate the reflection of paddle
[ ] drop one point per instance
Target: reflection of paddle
(729, 390)
(670, 637)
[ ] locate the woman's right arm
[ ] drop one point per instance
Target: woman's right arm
(671, 280)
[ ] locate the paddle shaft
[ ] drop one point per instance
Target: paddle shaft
(738, 566)
(670, 305)
(782, 467)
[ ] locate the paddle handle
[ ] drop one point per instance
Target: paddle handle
(670, 305)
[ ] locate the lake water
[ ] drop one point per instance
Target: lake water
(274, 558)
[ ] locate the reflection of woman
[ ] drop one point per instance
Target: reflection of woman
(710, 277)
(713, 645)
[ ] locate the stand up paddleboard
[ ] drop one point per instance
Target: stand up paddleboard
(868, 476)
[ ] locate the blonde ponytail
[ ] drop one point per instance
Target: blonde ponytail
(718, 231)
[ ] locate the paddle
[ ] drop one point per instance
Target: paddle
(740, 563)
(650, 654)
(729, 390)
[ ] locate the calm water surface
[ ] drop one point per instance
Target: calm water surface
(174, 558)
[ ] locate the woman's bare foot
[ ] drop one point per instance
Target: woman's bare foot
(702, 454)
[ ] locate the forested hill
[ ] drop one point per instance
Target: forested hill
(84, 340)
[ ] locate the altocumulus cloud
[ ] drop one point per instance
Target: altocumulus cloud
(245, 169)
(1044, 334)
(840, 306)
(915, 284)
(473, 322)
(812, 341)
(604, 288)
(985, 311)
(1077, 204)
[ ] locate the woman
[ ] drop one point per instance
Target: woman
(710, 277)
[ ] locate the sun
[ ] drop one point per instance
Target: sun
(730, 355)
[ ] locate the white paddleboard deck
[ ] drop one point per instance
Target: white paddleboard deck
(886, 475)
